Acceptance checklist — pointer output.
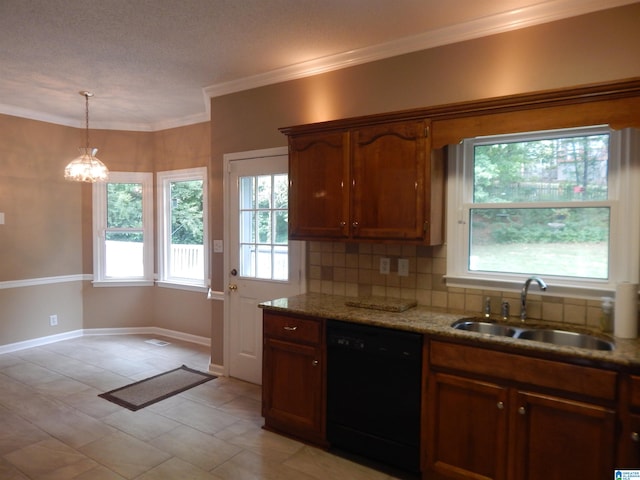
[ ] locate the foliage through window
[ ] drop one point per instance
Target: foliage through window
(182, 226)
(541, 203)
(123, 228)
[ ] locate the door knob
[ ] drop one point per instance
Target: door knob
(233, 287)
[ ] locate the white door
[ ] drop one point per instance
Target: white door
(261, 264)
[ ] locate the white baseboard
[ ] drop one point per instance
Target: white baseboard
(216, 369)
(36, 342)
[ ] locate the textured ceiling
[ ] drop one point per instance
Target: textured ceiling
(153, 64)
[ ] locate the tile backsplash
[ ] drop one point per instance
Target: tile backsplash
(353, 269)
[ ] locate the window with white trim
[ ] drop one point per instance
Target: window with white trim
(559, 204)
(123, 229)
(182, 227)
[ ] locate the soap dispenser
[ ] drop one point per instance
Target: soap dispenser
(606, 323)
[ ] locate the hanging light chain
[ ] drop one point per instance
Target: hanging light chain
(86, 116)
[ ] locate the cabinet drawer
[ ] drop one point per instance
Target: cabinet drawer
(292, 328)
(588, 381)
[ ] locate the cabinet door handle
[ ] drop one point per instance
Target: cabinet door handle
(290, 329)
(500, 405)
(354, 224)
(315, 363)
(635, 436)
(522, 410)
(342, 224)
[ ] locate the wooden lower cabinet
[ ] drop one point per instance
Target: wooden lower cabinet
(293, 393)
(486, 429)
(467, 427)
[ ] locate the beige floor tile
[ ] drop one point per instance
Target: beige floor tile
(99, 473)
(174, 469)
(143, 424)
(251, 466)
(50, 459)
(205, 418)
(9, 471)
(74, 427)
(320, 465)
(191, 445)
(125, 454)
(54, 426)
(17, 433)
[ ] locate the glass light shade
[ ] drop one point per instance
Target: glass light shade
(86, 168)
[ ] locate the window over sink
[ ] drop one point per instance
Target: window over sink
(561, 204)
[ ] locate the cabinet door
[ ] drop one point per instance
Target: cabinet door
(319, 186)
(389, 178)
(467, 427)
(554, 438)
(292, 396)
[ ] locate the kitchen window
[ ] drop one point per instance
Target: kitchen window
(560, 204)
(123, 230)
(182, 226)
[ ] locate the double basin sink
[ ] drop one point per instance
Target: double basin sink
(545, 335)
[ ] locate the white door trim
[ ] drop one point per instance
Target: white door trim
(226, 159)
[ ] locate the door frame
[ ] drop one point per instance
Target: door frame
(227, 158)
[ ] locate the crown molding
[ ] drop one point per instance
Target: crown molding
(491, 25)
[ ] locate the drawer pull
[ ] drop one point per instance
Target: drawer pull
(290, 329)
(500, 405)
(315, 363)
(522, 410)
(635, 436)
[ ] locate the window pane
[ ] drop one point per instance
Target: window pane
(263, 263)
(572, 242)
(281, 226)
(549, 170)
(247, 190)
(124, 205)
(186, 252)
(248, 227)
(280, 191)
(264, 191)
(124, 254)
(264, 227)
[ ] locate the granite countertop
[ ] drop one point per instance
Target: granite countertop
(425, 320)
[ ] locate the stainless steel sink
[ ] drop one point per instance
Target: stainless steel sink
(474, 325)
(569, 339)
(545, 335)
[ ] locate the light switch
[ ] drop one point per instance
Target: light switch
(217, 246)
(1, 218)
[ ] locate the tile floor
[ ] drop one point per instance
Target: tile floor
(54, 426)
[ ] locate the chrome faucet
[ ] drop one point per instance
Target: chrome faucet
(523, 295)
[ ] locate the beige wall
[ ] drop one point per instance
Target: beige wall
(593, 48)
(48, 221)
(48, 232)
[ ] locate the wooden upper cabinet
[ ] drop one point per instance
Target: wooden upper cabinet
(318, 186)
(376, 182)
(388, 181)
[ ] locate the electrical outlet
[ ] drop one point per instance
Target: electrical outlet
(403, 267)
(385, 266)
(53, 320)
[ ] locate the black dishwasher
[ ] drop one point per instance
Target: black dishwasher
(373, 392)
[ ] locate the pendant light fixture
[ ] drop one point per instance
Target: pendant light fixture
(87, 167)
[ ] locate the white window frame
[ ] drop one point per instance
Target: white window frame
(624, 202)
(163, 182)
(100, 226)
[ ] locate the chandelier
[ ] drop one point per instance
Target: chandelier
(87, 167)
